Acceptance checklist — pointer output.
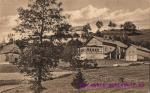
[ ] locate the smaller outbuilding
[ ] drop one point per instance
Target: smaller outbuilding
(9, 53)
(137, 53)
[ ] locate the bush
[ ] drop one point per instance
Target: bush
(78, 80)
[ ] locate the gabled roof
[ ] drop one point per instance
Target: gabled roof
(117, 43)
(77, 28)
(141, 48)
(11, 48)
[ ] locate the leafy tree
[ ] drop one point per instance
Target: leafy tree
(40, 18)
(112, 25)
(86, 29)
(121, 26)
(129, 26)
(79, 81)
(21, 43)
(62, 31)
(75, 35)
(71, 50)
(99, 25)
(99, 34)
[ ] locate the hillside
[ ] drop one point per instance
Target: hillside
(144, 37)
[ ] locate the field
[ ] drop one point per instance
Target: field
(134, 74)
(145, 36)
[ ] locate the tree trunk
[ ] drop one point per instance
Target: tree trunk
(39, 78)
(38, 81)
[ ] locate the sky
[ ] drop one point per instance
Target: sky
(84, 11)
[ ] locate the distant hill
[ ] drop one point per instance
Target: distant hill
(145, 36)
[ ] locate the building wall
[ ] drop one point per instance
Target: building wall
(3, 58)
(94, 53)
(131, 54)
(92, 56)
(108, 49)
(131, 58)
(134, 54)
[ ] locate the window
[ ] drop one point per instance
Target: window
(88, 49)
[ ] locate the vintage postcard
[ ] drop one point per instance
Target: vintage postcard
(74, 46)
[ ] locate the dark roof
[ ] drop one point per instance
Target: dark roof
(118, 43)
(11, 48)
(141, 48)
(77, 28)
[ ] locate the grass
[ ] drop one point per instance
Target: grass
(8, 68)
(9, 82)
(144, 36)
(110, 74)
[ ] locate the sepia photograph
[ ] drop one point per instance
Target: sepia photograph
(74, 46)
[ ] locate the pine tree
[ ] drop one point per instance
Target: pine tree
(40, 18)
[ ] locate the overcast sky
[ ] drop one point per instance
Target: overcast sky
(83, 11)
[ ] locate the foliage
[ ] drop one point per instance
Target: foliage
(99, 24)
(78, 80)
(36, 62)
(129, 26)
(21, 43)
(99, 34)
(75, 35)
(71, 50)
(86, 29)
(36, 21)
(112, 25)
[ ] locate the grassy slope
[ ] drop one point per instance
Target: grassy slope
(8, 68)
(145, 36)
(131, 74)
